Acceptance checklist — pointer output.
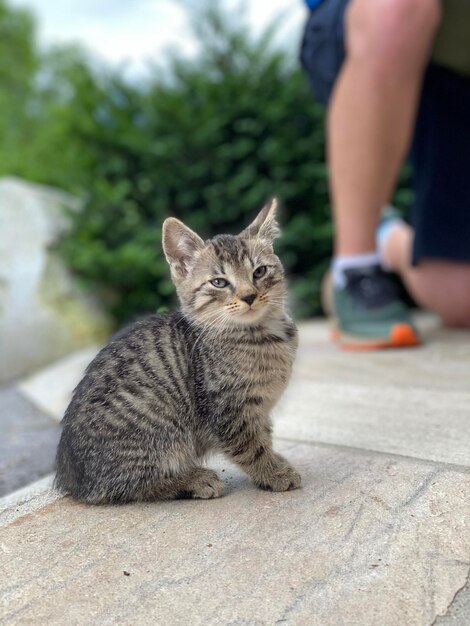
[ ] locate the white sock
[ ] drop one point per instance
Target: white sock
(353, 261)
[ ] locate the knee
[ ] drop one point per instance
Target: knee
(444, 287)
(389, 34)
(456, 318)
(455, 307)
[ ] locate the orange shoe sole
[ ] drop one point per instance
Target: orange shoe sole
(401, 336)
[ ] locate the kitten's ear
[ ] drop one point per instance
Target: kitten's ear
(181, 246)
(265, 226)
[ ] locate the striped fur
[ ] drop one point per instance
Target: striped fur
(171, 389)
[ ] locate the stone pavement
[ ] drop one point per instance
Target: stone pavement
(378, 535)
(28, 442)
(29, 415)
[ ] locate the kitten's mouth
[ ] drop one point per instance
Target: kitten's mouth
(252, 310)
(250, 314)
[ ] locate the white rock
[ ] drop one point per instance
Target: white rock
(43, 313)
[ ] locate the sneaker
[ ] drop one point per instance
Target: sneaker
(369, 314)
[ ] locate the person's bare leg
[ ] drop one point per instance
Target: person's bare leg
(373, 110)
(439, 285)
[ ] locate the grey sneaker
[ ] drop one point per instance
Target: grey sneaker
(368, 313)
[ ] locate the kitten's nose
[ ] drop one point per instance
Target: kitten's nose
(249, 299)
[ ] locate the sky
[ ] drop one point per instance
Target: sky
(129, 33)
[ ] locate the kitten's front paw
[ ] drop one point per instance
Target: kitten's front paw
(284, 479)
(205, 485)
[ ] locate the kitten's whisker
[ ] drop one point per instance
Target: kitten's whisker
(207, 330)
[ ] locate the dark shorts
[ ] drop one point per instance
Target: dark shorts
(440, 153)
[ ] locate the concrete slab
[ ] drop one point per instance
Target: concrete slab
(34, 496)
(28, 442)
(370, 539)
(441, 363)
(421, 423)
(411, 402)
(458, 613)
(51, 388)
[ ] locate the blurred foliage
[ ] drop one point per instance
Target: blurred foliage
(18, 66)
(207, 141)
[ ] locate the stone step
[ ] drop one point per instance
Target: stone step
(369, 539)
(28, 441)
(378, 534)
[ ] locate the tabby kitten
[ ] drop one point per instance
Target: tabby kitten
(173, 388)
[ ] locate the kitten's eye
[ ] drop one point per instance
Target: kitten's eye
(260, 271)
(219, 282)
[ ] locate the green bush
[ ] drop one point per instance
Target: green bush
(47, 102)
(207, 143)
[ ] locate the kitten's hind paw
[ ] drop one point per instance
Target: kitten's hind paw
(205, 484)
